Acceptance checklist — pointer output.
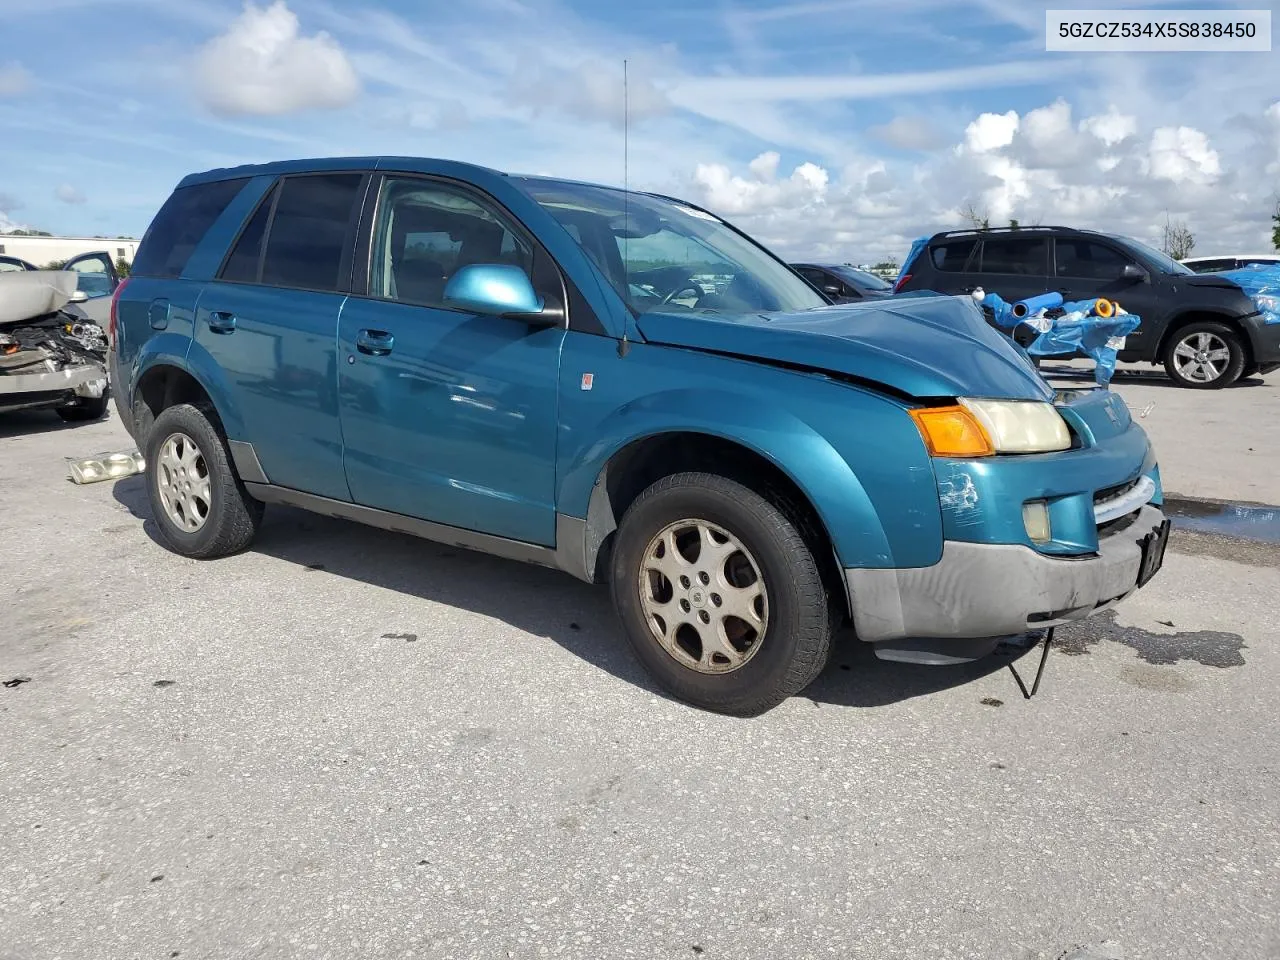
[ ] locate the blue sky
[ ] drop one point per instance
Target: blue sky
(835, 128)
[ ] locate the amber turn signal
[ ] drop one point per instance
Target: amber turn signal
(952, 432)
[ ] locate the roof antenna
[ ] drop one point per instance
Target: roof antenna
(623, 345)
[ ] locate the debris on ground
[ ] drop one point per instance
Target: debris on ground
(106, 466)
(17, 681)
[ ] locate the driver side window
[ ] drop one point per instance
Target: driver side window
(426, 232)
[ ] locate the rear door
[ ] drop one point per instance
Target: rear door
(1088, 267)
(270, 322)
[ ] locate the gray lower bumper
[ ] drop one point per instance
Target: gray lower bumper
(992, 590)
(84, 380)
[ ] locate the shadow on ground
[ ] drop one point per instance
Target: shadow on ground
(23, 423)
(577, 616)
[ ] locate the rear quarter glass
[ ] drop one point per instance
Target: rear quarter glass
(180, 225)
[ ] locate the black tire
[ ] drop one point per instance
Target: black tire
(1209, 330)
(85, 410)
(232, 516)
(796, 641)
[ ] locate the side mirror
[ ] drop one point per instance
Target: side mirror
(78, 297)
(494, 289)
(1134, 272)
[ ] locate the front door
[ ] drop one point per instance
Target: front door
(447, 415)
(1089, 268)
(96, 281)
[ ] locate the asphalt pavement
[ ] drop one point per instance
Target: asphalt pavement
(349, 743)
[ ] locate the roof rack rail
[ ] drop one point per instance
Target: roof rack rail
(1018, 229)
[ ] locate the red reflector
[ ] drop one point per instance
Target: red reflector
(115, 301)
(900, 281)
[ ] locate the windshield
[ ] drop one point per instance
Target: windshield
(662, 255)
(1163, 261)
(861, 278)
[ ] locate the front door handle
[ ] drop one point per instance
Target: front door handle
(220, 321)
(376, 343)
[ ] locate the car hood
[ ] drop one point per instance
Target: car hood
(921, 346)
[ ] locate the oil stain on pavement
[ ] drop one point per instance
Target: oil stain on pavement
(1212, 648)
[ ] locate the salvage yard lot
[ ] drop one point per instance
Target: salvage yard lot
(350, 743)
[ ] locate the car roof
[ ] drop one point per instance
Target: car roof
(1234, 256)
(981, 232)
(325, 164)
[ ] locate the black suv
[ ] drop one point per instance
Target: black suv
(1204, 329)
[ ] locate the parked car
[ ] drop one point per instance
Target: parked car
(96, 281)
(842, 283)
(1204, 329)
(1219, 264)
(444, 350)
(50, 357)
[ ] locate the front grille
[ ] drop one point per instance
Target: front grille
(1110, 493)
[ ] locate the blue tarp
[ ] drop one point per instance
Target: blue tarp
(1067, 327)
(1262, 283)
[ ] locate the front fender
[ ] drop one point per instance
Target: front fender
(783, 439)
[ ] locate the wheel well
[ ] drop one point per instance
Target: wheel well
(160, 388)
(1186, 319)
(641, 463)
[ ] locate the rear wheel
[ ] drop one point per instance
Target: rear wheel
(200, 505)
(720, 595)
(1204, 356)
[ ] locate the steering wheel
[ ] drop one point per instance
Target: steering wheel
(686, 284)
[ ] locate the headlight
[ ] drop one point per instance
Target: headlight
(980, 428)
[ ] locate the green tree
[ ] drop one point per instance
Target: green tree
(1014, 224)
(1275, 233)
(54, 265)
(122, 267)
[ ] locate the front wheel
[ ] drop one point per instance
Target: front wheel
(720, 594)
(1204, 356)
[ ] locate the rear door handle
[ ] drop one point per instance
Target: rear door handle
(376, 343)
(220, 321)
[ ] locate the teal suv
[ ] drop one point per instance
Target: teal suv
(627, 388)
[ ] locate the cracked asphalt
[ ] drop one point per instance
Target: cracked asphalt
(347, 743)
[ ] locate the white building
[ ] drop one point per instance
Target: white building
(42, 250)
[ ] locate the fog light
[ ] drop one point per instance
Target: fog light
(1035, 517)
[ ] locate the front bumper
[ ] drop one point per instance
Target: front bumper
(980, 590)
(83, 380)
(1265, 340)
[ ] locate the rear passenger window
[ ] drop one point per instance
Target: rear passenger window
(951, 257)
(313, 220)
(180, 226)
(246, 257)
(1023, 257)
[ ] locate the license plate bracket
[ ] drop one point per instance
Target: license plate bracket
(1153, 549)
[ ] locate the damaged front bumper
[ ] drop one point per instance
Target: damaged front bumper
(47, 384)
(987, 590)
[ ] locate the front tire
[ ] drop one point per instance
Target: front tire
(85, 410)
(720, 595)
(1204, 356)
(198, 501)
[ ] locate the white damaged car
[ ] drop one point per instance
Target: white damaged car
(51, 353)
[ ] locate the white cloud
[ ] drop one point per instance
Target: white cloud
(263, 65)
(69, 194)
(592, 89)
(14, 79)
(1183, 155)
(8, 204)
(1111, 127)
(991, 131)
(731, 194)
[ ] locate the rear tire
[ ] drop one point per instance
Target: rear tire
(1205, 355)
(198, 501)
(736, 553)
